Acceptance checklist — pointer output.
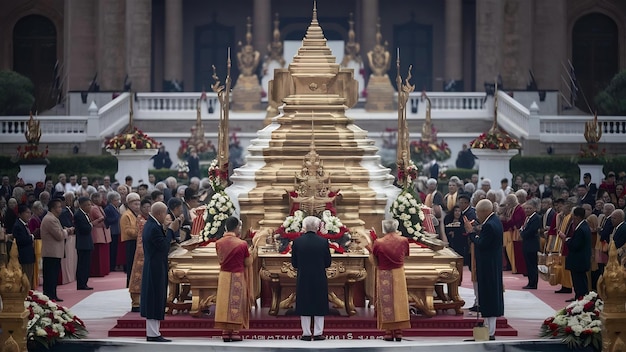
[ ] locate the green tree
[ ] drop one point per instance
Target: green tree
(612, 100)
(16, 94)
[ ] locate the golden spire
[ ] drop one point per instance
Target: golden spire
(352, 47)
(427, 128)
(593, 132)
(404, 89)
(223, 95)
(379, 58)
(275, 48)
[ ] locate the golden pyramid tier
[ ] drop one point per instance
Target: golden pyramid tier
(315, 93)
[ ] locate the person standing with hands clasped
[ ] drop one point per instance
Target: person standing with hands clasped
(578, 259)
(310, 256)
(156, 236)
(488, 249)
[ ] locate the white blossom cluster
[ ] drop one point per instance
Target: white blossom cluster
(220, 207)
(183, 166)
(330, 223)
(408, 211)
(293, 223)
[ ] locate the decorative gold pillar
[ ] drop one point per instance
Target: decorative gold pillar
(261, 23)
(139, 43)
(173, 75)
(612, 290)
(14, 286)
(453, 80)
(369, 16)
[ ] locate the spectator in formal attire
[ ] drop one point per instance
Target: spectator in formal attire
(584, 196)
(449, 200)
(469, 257)
(233, 313)
(24, 240)
(84, 242)
(193, 162)
(101, 236)
(162, 159)
(128, 229)
(5, 189)
(530, 233)
(488, 244)
(60, 186)
(608, 185)
(106, 184)
(134, 286)
(388, 254)
(599, 207)
(619, 233)
(310, 256)
(465, 158)
(545, 188)
(85, 189)
(53, 237)
(454, 231)
(112, 221)
(578, 259)
(434, 200)
(72, 186)
(156, 245)
(592, 188)
(512, 217)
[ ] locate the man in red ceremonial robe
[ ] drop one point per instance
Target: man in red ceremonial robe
(392, 308)
(232, 308)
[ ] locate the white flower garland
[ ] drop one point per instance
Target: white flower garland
(183, 166)
(220, 207)
(408, 211)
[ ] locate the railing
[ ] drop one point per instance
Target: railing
(572, 128)
(54, 129)
(513, 116)
(182, 105)
(449, 105)
(113, 116)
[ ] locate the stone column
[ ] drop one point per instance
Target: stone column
(488, 41)
(369, 18)
(549, 49)
(517, 29)
(139, 44)
(454, 44)
(80, 43)
(173, 66)
(110, 44)
(262, 25)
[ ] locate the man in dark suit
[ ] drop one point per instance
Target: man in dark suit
(84, 242)
(67, 215)
(156, 246)
(578, 259)
(488, 246)
(585, 197)
(619, 233)
(530, 241)
(25, 242)
(592, 189)
(310, 256)
(467, 211)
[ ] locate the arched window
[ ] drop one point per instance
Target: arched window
(595, 55)
(35, 56)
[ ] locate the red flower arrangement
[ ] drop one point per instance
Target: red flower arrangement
(591, 154)
(134, 139)
(30, 153)
(495, 139)
(423, 151)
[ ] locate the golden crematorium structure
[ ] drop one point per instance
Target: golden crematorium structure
(312, 145)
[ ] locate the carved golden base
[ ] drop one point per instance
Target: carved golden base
(247, 94)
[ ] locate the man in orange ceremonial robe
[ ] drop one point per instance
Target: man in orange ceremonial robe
(232, 308)
(392, 303)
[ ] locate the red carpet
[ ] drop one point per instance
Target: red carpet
(263, 326)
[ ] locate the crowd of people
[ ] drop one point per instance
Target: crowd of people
(494, 229)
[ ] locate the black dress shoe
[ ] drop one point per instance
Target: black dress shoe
(305, 337)
(474, 309)
(135, 309)
(492, 337)
(318, 338)
(570, 300)
(85, 288)
(57, 300)
(157, 339)
(530, 287)
(564, 290)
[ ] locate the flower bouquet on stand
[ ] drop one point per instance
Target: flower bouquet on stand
(132, 139)
(49, 322)
(331, 228)
(496, 139)
(183, 170)
(219, 207)
(578, 325)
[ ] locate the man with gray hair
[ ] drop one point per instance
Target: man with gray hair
(388, 255)
(310, 256)
(488, 246)
(530, 233)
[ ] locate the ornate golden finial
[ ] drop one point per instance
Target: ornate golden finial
(12, 279)
(612, 290)
(247, 57)
(404, 89)
(593, 132)
(223, 95)
(352, 47)
(379, 58)
(494, 127)
(131, 112)
(10, 345)
(33, 130)
(275, 48)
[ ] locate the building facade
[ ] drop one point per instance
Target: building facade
(165, 45)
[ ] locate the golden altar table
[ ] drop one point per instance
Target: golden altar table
(344, 271)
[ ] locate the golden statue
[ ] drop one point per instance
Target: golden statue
(427, 127)
(379, 58)
(223, 95)
(12, 279)
(312, 190)
(403, 153)
(593, 132)
(275, 48)
(33, 131)
(612, 290)
(352, 47)
(247, 57)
